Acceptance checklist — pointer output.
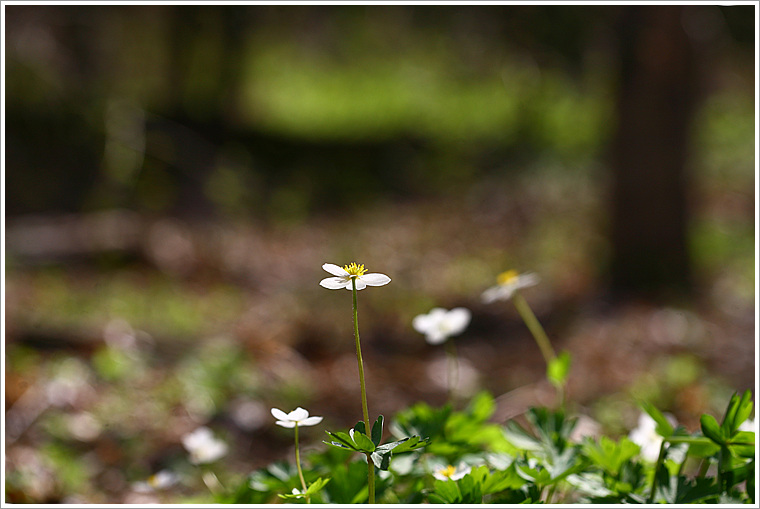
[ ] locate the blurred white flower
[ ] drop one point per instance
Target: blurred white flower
(647, 438)
(158, 481)
(449, 472)
(84, 426)
(203, 447)
(344, 275)
(439, 324)
(299, 416)
(507, 284)
(748, 425)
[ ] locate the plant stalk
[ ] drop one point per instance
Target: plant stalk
(542, 340)
(657, 468)
(298, 465)
(365, 411)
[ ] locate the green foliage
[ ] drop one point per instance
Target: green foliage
(545, 464)
(357, 440)
(558, 369)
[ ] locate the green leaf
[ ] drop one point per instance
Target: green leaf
(311, 490)
(743, 444)
(482, 406)
(447, 492)
(363, 442)
(664, 428)
(711, 429)
(610, 455)
(377, 430)
(737, 412)
(381, 459)
(360, 427)
(558, 369)
(342, 438)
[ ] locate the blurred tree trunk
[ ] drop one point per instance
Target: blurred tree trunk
(658, 82)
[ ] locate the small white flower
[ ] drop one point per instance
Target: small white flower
(449, 472)
(299, 416)
(645, 435)
(344, 275)
(507, 284)
(748, 425)
(203, 447)
(159, 481)
(439, 324)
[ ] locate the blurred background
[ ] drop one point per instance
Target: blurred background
(175, 176)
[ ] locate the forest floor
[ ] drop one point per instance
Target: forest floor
(140, 329)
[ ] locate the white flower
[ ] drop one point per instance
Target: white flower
(203, 447)
(449, 472)
(439, 324)
(507, 284)
(159, 481)
(647, 438)
(748, 425)
(299, 416)
(347, 273)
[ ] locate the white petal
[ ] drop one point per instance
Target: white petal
(298, 414)
(435, 337)
(360, 285)
(334, 270)
(528, 279)
(286, 424)
(279, 414)
(310, 421)
(375, 279)
(421, 323)
(457, 320)
(335, 283)
(497, 293)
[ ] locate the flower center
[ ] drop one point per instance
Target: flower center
(355, 270)
(448, 471)
(507, 277)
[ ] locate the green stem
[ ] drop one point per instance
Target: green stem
(542, 340)
(535, 327)
(298, 466)
(453, 371)
(657, 467)
(365, 411)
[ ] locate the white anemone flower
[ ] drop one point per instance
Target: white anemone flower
(158, 481)
(439, 324)
(344, 275)
(299, 416)
(645, 435)
(451, 473)
(507, 284)
(203, 446)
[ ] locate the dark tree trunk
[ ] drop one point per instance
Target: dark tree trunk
(658, 84)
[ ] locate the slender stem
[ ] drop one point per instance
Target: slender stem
(298, 465)
(453, 372)
(211, 481)
(657, 467)
(365, 411)
(542, 340)
(535, 327)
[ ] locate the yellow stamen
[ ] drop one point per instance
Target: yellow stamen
(354, 269)
(448, 471)
(507, 277)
